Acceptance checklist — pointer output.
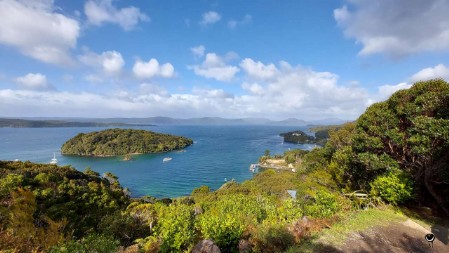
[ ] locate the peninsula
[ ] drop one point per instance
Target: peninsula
(114, 142)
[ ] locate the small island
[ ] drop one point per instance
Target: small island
(320, 138)
(297, 137)
(115, 142)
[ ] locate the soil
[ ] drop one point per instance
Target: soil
(398, 237)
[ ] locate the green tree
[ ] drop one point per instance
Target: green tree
(409, 131)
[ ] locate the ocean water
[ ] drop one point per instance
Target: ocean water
(218, 153)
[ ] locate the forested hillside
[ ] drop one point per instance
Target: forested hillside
(112, 142)
(42, 205)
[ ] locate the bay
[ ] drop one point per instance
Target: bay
(218, 153)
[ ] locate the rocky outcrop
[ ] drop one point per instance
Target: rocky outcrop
(206, 246)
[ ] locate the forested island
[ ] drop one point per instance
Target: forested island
(300, 137)
(114, 142)
(388, 166)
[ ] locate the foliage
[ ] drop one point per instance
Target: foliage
(92, 243)
(113, 142)
(124, 227)
(394, 188)
(27, 231)
(271, 239)
(175, 227)
(325, 205)
(60, 195)
(409, 132)
(294, 156)
(225, 220)
(314, 160)
(204, 189)
(271, 182)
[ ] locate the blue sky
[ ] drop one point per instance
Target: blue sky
(261, 58)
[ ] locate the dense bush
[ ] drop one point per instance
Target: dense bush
(270, 239)
(325, 205)
(394, 188)
(92, 243)
(55, 202)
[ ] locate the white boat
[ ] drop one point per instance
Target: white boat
(166, 159)
(54, 160)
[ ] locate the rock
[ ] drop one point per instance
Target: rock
(300, 228)
(206, 246)
(244, 246)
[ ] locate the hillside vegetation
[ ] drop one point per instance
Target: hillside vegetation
(113, 142)
(396, 153)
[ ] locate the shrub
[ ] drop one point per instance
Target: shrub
(325, 205)
(271, 239)
(394, 187)
(93, 243)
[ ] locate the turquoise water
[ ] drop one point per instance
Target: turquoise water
(218, 152)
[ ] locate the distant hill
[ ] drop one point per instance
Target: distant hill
(92, 122)
(217, 121)
(22, 123)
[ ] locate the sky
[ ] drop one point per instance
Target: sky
(276, 59)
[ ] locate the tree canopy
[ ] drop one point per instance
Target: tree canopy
(409, 132)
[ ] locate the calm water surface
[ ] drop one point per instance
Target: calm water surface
(218, 152)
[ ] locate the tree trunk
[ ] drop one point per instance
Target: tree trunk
(429, 187)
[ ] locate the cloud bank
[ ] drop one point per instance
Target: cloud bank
(269, 90)
(395, 27)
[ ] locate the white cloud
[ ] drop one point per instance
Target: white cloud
(38, 31)
(152, 68)
(395, 27)
(111, 62)
(198, 51)
(439, 71)
(254, 88)
(215, 67)
(102, 11)
(210, 17)
(386, 91)
(258, 70)
(33, 81)
(247, 19)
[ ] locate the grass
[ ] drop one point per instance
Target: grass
(356, 221)
(423, 216)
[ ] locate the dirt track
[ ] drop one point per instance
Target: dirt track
(400, 237)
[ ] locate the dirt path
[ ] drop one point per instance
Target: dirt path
(399, 237)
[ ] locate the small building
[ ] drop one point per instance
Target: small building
(292, 193)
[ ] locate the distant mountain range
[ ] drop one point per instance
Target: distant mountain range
(106, 122)
(24, 123)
